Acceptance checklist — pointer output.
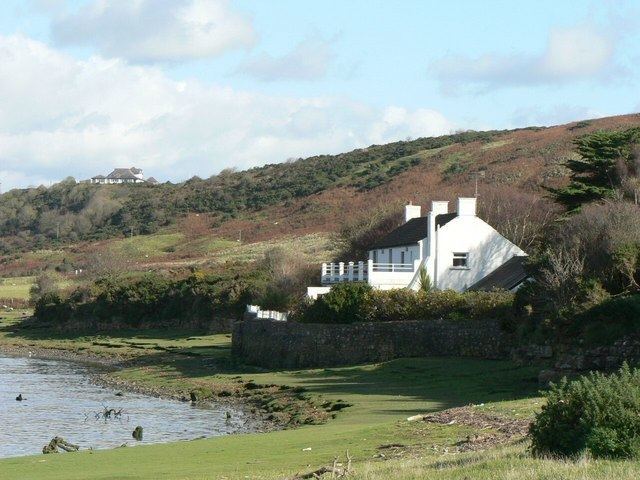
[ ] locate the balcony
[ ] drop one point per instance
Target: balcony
(376, 274)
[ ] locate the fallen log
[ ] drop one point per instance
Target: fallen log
(57, 443)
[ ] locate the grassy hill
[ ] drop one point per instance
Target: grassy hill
(210, 221)
(306, 195)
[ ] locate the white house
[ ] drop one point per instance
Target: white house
(123, 175)
(458, 250)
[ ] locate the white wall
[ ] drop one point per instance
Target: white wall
(314, 292)
(411, 253)
(486, 247)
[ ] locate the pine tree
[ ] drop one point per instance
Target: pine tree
(596, 174)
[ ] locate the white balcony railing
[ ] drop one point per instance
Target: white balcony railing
(344, 272)
(393, 267)
(361, 271)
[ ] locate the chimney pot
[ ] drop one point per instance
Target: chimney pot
(411, 211)
(467, 207)
(439, 207)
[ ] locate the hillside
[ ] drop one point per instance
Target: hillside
(312, 195)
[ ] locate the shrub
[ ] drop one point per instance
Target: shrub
(598, 414)
(345, 303)
(610, 320)
(153, 299)
(44, 285)
(353, 302)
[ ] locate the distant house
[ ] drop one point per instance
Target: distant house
(458, 250)
(123, 175)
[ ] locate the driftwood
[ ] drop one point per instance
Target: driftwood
(109, 413)
(59, 443)
(336, 470)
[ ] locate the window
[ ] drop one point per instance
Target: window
(461, 260)
(375, 256)
(401, 257)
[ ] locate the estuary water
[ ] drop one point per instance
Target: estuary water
(60, 400)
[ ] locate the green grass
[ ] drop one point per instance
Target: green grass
(382, 397)
(311, 247)
(455, 164)
(506, 463)
(16, 287)
(145, 246)
(496, 144)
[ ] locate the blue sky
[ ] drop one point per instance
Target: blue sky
(184, 87)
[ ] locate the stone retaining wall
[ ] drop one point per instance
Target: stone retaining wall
(293, 345)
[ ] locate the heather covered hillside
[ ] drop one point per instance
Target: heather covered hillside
(301, 196)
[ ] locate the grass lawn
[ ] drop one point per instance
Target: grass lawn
(16, 287)
(382, 396)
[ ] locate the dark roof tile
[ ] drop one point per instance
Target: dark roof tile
(507, 276)
(411, 232)
(444, 218)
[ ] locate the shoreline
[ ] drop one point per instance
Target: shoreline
(105, 365)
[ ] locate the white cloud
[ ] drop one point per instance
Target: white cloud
(309, 60)
(156, 30)
(571, 54)
(61, 116)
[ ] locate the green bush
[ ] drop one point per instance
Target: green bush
(608, 321)
(345, 303)
(356, 302)
(153, 299)
(598, 414)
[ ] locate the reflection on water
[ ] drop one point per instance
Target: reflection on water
(61, 401)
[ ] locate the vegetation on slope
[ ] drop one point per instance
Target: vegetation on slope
(70, 211)
(609, 163)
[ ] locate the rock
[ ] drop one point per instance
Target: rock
(119, 394)
(58, 443)
(137, 433)
(19, 398)
(194, 396)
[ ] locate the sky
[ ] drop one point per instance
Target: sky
(191, 87)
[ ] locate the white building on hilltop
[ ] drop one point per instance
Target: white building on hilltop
(458, 250)
(123, 175)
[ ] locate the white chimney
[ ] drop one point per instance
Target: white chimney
(467, 207)
(411, 211)
(439, 207)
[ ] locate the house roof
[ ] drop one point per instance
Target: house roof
(507, 276)
(122, 173)
(411, 232)
(98, 176)
(151, 180)
(444, 218)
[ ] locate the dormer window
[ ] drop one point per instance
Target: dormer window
(461, 260)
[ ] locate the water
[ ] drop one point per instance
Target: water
(62, 401)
